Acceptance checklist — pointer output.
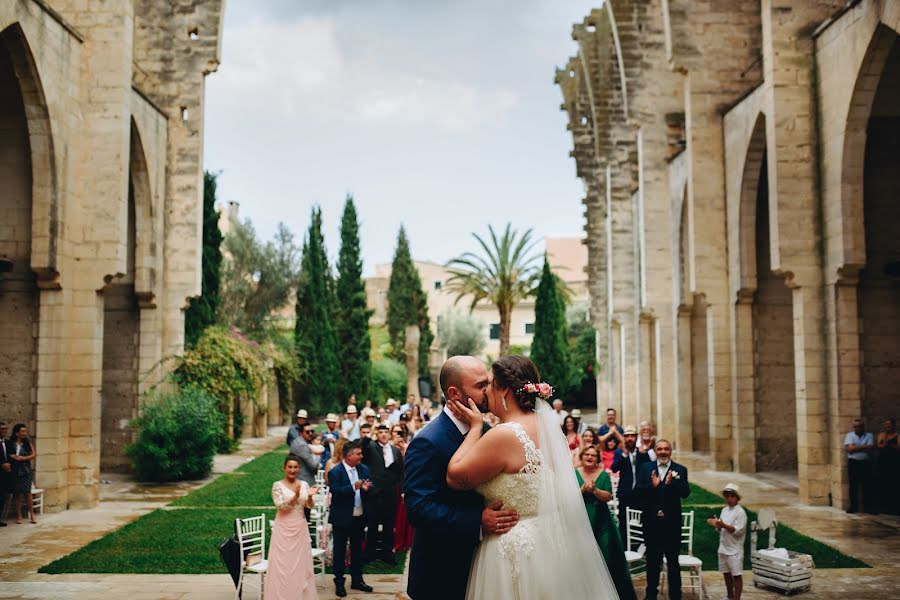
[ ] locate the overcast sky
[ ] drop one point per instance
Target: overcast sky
(441, 115)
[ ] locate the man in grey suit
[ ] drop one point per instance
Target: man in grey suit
(309, 462)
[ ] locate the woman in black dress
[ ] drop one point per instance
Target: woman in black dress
(22, 455)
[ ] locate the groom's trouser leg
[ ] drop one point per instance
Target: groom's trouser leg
(390, 520)
(340, 535)
(672, 543)
(653, 556)
(623, 523)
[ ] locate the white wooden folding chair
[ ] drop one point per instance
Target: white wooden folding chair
(37, 498)
(694, 576)
(318, 530)
(635, 548)
(251, 534)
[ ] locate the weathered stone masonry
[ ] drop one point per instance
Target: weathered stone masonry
(739, 161)
(101, 123)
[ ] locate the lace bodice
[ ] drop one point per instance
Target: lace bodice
(518, 491)
(282, 495)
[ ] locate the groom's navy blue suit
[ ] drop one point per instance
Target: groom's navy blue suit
(446, 522)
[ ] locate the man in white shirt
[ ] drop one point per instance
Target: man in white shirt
(393, 415)
(860, 445)
(732, 527)
(386, 471)
(560, 413)
(349, 426)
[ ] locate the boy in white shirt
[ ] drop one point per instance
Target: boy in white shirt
(732, 526)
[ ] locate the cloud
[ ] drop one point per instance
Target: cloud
(297, 69)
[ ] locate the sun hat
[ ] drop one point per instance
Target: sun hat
(576, 413)
(390, 402)
(302, 413)
(331, 418)
(630, 430)
(351, 409)
(368, 412)
(733, 488)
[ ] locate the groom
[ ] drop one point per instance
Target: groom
(448, 524)
(661, 485)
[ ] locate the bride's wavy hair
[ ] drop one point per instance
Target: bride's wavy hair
(514, 372)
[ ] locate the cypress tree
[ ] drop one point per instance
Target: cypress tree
(352, 316)
(550, 346)
(201, 312)
(314, 332)
(407, 304)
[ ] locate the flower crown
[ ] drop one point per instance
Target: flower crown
(542, 389)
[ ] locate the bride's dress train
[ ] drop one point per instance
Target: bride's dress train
(551, 552)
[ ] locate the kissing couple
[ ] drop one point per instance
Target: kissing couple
(507, 495)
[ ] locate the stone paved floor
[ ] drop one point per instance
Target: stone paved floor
(25, 548)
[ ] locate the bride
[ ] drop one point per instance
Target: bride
(525, 463)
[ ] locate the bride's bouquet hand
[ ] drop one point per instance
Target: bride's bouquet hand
(467, 413)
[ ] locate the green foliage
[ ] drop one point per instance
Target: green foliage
(550, 346)
(228, 366)
(388, 380)
(314, 337)
(583, 352)
(201, 313)
(352, 314)
(177, 436)
(257, 278)
(381, 342)
(504, 275)
(407, 305)
(461, 333)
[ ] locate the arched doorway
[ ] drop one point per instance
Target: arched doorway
(19, 297)
(775, 407)
(121, 334)
(879, 281)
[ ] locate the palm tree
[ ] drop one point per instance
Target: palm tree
(505, 274)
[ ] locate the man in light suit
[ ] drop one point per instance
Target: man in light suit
(661, 485)
(350, 489)
(309, 463)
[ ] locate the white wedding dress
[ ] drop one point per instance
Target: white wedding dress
(551, 552)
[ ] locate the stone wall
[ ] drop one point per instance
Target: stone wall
(741, 278)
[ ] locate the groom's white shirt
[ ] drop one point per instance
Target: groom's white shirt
(463, 427)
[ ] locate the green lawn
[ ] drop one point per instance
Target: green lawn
(701, 495)
(185, 537)
(706, 542)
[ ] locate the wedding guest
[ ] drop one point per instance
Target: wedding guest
(860, 446)
(427, 411)
(386, 471)
(660, 487)
(626, 464)
(309, 460)
(365, 431)
(368, 417)
(732, 527)
(368, 403)
(596, 490)
(610, 428)
(411, 400)
(608, 454)
(350, 488)
(331, 434)
(646, 440)
(579, 425)
(569, 429)
(403, 528)
(419, 424)
(393, 415)
(588, 438)
(22, 455)
(558, 409)
(295, 429)
(290, 572)
(888, 467)
(398, 439)
(349, 426)
(6, 469)
(336, 457)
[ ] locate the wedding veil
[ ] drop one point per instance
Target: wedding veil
(579, 567)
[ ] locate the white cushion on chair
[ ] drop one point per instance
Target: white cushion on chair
(632, 556)
(317, 552)
(686, 560)
(259, 567)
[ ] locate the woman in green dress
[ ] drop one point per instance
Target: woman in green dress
(596, 489)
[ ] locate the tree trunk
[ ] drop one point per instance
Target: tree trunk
(412, 361)
(505, 313)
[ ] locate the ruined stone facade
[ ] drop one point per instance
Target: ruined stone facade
(101, 139)
(739, 161)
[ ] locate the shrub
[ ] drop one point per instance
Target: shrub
(387, 379)
(461, 333)
(177, 436)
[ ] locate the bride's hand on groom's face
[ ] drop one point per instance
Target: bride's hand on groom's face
(467, 413)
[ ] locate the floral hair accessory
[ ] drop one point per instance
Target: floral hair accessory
(542, 389)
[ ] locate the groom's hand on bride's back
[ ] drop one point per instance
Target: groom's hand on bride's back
(496, 520)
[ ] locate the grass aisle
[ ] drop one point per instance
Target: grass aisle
(184, 536)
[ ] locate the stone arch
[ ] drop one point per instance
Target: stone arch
(852, 176)
(145, 247)
(879, 279)
(44, 199)
(19, 296)
(750, 182)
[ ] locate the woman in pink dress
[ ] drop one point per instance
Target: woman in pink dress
(290, 574)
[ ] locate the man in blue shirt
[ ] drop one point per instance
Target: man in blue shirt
(610, 429)
(860, 446)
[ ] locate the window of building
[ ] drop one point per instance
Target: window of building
(495, 331)
(529, 328)
(437, 284)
